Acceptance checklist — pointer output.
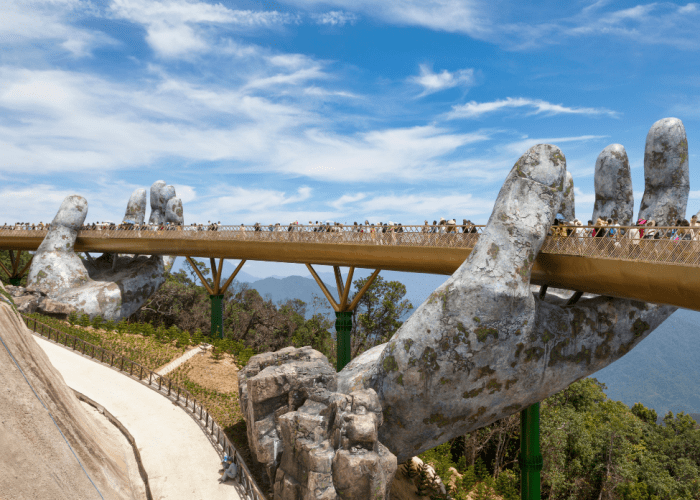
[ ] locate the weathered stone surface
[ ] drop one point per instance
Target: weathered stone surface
(114, 290)
(316, 443)
(27, 303)
(482, 346)
(136, 208)
(53, 308)
(568, 205)
(35, 462)
(666, 173)
(614, 198)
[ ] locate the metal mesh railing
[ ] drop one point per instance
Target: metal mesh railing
(165, 387)
(666, 245)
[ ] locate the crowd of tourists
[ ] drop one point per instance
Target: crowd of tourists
(602, 228)
(642, 230)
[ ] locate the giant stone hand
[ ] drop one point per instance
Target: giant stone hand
(113, 286)
(484, 346)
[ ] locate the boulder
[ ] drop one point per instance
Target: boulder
(315, 443)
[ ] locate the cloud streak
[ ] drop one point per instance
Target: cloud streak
(475, 109)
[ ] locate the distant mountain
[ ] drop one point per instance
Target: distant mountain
(663, 371)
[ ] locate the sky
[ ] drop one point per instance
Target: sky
(345, 110)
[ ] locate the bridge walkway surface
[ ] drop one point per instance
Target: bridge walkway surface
(664, 269)
(180, 461)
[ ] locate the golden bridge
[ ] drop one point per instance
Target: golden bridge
(664, 270)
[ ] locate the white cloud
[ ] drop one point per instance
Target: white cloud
(435, 82)
(185, 193)
(24, 22)
(421, 206)
(519, 147)
(454, 16)
(475, 109)
(335, 18)
(256, 201)
(346, 199)
(173, 26)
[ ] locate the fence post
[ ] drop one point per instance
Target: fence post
(74, 340)
(169, 384)
(122, 365)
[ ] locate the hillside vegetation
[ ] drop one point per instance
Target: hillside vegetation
(593, 447)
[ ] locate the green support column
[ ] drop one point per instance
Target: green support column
(217, 316)
(530, 458)
(343, 327)
(15, 281)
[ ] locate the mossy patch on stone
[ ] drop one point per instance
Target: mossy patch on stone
(473, 393)
(389, 364)
(483, 333)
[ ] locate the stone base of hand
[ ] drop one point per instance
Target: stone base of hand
(36, 301)
(316, 443)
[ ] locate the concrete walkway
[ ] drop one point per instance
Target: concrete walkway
(178, 361)
(180, 461)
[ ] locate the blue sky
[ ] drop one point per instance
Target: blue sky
(274, 111)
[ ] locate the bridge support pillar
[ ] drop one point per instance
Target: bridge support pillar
(343, 327)
(343, 311)
(15, 273)
(217, 316)
(216, 292)
(530, 458)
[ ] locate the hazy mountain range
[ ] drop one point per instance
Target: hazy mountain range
(662, 372)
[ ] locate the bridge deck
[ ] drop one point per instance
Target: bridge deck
(652, 270)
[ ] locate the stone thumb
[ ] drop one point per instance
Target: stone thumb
(64, 227)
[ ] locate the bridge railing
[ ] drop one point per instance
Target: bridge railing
(666, 245)
(165, 387)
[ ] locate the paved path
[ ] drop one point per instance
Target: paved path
(178, 361)
(180, 461)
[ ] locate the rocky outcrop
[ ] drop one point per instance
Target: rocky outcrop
(614, 197)
(36, 461)
(36, 301)
(315, 442)
(111, 286)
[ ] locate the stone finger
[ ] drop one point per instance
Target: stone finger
(55, 266)
(136, 208)
(174, 212)
(614, 197)
(666, 174)
(158, 202)
(568, 203)
(447, 368)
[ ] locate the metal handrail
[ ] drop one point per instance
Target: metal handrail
(180, 396)
(660, 244)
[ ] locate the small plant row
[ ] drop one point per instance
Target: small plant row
(148, 352)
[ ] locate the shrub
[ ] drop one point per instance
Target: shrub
(122, 326)
(109, 325)
(97, 322)
(84, 320)
(73, 318)
(197, 337)
(508, 485)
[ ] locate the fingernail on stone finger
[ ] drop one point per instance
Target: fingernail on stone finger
(614, 197)
(136, 208)
(666, 175)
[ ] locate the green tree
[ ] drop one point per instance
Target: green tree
(24, 257)
(376, 317)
